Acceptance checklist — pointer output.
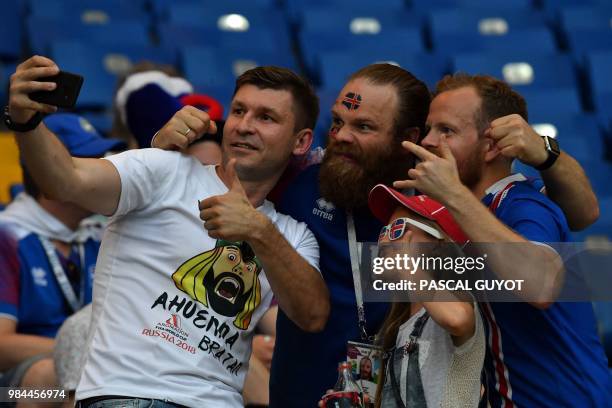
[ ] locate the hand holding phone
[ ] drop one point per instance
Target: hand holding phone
(66, 92)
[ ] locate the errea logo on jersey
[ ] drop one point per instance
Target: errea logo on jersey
(40, 276)
(324, 210)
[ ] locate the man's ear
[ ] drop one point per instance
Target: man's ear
(303, 142)
(491, 150)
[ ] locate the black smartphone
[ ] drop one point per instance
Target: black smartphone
(64, 95)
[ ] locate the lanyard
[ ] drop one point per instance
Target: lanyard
(355, 254)
(74, 302)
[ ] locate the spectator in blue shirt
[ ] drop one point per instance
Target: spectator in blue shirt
(540, 353)
(47, 255)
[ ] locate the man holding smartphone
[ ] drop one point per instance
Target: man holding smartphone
(176, 302)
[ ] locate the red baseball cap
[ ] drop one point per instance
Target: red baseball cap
(384, 200)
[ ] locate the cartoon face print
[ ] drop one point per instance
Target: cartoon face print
(224, 279)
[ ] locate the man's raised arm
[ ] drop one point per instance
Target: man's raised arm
(91, 183)
(564, 180)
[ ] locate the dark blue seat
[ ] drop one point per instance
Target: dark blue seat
(208, 66)
(325, 19)
(579, 135)
(43, 31)
(549, 104)
(226, 27)
(581, 43)
(602, 228)
(529, 41)
(336, 66)
(391, 40)
(525, 71)
(448, 21)
(11, 27)
(101, 66)
(89, 10)
(598, 69)
(295, 8)
(162, 8)
(585, 18)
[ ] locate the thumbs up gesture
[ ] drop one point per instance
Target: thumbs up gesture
(231, 216)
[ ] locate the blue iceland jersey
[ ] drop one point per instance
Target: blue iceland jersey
(541, 358)
(305, 364)
(29, 291)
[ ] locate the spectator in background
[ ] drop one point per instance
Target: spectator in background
(120, 127)
(47, 260)
(540, 353)
(149, 97)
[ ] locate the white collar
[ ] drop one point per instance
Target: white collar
(501, 184)
(24, 215)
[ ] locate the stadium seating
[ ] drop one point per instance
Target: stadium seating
(579, 134)
(585, 18)
(528, 41)
(204, 66)
(313, 44)
(94, 11)
(549, 104)
(43, 31)
(11, 29)
(295, 8)
(424, 7)
(484, 22)
(336, 66)
(101, 66)
(598, 69)
(162, 8)
(533, 71)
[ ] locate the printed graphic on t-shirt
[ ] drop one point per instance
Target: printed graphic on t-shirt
(225, 279)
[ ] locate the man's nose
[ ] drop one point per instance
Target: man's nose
(245, 125)
(431, 140)
(343, 134)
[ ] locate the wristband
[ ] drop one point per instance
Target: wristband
(22, 127)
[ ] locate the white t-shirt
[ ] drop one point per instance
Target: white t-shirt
(173, 309)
